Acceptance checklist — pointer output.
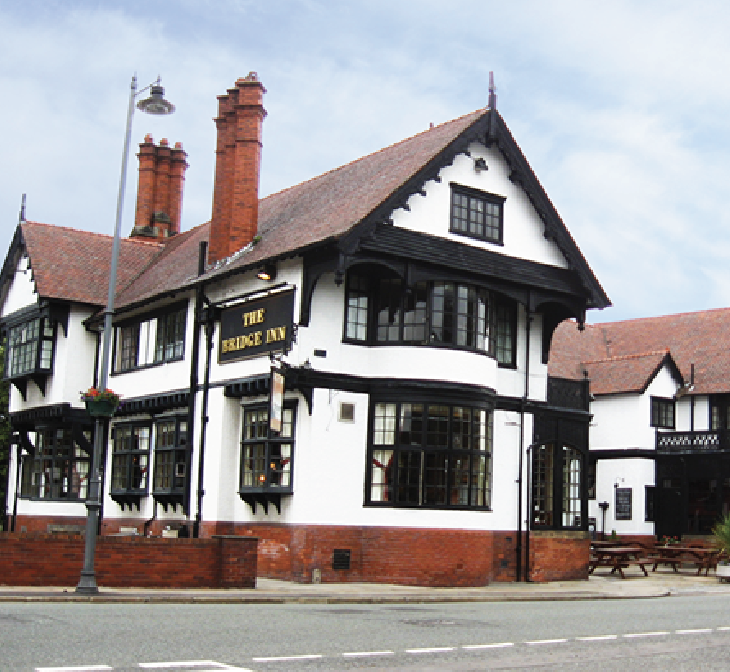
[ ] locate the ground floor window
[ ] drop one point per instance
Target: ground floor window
(557, 472)
(429, 455)
(171, 455)
(266, 455)
(130, 457)
(59, 469)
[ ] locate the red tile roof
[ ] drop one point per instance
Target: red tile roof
(630, 373)
(73, 265)
(701, 339)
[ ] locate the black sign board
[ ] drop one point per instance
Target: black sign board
(257, 327)
(623, 503)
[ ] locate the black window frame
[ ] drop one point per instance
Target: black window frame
(660, 407)
(170, 336)
(132, 461)
(59, 468)
(38, 349)
(476, 214)
(552, 486)
(170, 327)
(275, 464)
(437, 313)
(430, 461)
(171, 460)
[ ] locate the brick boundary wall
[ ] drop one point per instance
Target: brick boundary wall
(407, 556)
(43, 559)
(559, 556)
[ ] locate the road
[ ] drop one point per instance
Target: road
(677, 633)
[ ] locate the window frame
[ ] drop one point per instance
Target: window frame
(435, 471)
(71, 483)
(144, 341)
(126, 456)
(659, 408)
(40, 348)
(475, 198)
(462, 303)
(179, 450)
(553, 485)
(271, 441)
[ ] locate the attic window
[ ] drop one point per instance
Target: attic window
(476, 214)
(662, 413)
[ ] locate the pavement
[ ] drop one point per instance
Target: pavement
(601, 586)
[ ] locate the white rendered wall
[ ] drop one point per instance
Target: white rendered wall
(523, 228)
(22, 291)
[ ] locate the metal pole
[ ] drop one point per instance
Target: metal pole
(87, 583)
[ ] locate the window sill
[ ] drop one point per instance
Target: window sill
(151, 365)
(263, 498)
(428, 507)
(128, 498)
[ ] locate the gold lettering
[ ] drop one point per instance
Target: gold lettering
(254, 317)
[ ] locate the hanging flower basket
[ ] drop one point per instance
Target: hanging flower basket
(100, 403)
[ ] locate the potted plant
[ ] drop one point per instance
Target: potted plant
(100, 403)
(721, 532)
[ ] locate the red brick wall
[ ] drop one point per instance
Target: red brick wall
(556, 556)
(407, 556)
(38, 559)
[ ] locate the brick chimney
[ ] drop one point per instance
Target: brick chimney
(160, 190)
(238, 159)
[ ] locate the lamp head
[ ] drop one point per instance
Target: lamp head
(156, 103)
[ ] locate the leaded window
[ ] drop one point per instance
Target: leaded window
(127, 347)
(476, 214)
(557, 485)
(130, 458)
(438, 313)
(59, 468)
(662, 413)
(429, 455)
(30, 347)
(266, 455)
(170, 337)
(171, 455)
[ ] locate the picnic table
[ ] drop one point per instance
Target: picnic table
(619, 558)
(674, 555)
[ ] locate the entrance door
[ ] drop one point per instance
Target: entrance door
(669, 512)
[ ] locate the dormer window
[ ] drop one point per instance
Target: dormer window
(476, 214)
(30, 347)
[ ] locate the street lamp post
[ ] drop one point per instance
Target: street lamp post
(155, 104)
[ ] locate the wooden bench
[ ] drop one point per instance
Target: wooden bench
(619, 565)
(674, 563)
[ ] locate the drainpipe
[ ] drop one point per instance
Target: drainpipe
(194, 356)
(204, 418)
(692, 398)
(518, 550)
(18, 452)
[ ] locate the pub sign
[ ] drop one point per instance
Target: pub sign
(257, 327)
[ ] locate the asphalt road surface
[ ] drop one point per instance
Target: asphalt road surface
(677, 633)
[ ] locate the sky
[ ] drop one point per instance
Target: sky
(622, 109)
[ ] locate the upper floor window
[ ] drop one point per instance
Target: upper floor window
(383, 310)
(429, 455)
(476, 214)
(662, 413)
(30, 347)
(149, 341)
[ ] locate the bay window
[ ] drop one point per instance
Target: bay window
(557, 473)
(130, 461)
(429, 455)
(171, 460)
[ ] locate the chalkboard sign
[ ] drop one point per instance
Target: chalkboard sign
(623, 503)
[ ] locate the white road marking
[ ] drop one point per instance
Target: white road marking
(724, 627)
(363, 654)
(487, 646)
(270, 659)
(693, 632)
(648, 634)
(597, 638)
(547, 641)
(432, 649)
(84, 668)
(193, 663)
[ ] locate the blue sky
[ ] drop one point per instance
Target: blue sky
(620, 107)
